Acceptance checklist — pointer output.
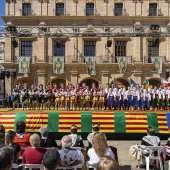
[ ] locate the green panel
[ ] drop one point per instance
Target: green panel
(53, 121)
(120, 123)
(153, 121)
(20, 116)
(86, 122)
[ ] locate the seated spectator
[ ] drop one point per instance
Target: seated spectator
(45, 141)
(9, 142)
(107, 163)
(150, 140)
(99, 150)
(6, 158)
(96, 129)
(69, 156)
(2, 136)
(51, 159)
(21, 137)
(34, 154)
(76, 138)
(167, 150)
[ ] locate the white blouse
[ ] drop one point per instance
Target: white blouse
(94, 159)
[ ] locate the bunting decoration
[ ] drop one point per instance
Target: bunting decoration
(24, 64)
(122, 61)
(157, 61)
(58, 64)
(110, 122)
(91, 65)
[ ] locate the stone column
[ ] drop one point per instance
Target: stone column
(104, 78)
(74, 77)
(41, 74)
(8, 49)
(42, 54)
(137, 49)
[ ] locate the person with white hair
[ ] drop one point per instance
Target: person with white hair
(69, 156)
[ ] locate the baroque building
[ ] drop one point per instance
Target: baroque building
(122, 39)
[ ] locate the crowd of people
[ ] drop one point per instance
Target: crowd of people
(91, 98)
(20, 148)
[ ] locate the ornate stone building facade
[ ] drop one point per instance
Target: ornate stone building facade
(138, 30)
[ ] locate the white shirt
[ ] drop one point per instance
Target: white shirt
(94, 159)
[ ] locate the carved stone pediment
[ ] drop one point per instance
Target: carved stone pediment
(90, 1)
(118, 1)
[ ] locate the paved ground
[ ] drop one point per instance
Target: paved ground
(125, 162)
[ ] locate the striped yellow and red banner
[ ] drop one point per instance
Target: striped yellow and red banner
(110, 122)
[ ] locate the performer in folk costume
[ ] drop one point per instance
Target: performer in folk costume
(31, 96)
(110, 98)
(142, 99)
(157, 98)
(95, 99)
(128, 98)
(99, 86)
(62, 99)
(147, 97)
(136, 98)
(152, 94)
(35, 100)
(105, 98)
(54, 90)
(47, 95)
(16, 94)
(67, 99)
(41, 96)
(57, 99)
(76, 139)
(117, 99)
(73, 98)
(84, 87)
(168, 98)
(87, 95)
(81, 99)
(25, 96)
(101, 96)
(77, 96)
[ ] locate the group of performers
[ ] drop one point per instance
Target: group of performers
(94, 98)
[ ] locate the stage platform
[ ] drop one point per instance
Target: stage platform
(134, 122)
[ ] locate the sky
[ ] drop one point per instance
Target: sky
(2, 11)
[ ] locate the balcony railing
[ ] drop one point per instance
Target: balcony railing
(154, 12)
(91, 12)
(147, 59)
(27, 13)
(60, 12)
(120, 12)
(32, 60)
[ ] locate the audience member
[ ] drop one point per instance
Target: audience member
(107, 163)
(2, 136)
(34, 154)
(9, 142)
(150, 139)
(99, 150)
(76, 138)
(6, 158)
(167, 150)
(51, 159)
(21, 137)
(69, 156)
(45, 141)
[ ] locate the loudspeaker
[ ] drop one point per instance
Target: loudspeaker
(14, 43)
(14, 75)
(167, 74)
(7, 74)
(11, 28)
(154, 27)
(58, 43)
(109, 43)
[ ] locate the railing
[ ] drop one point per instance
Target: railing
(16, 59)
(154, 12)
(91, 12)
(120, 12)
(60, 12)
(147, 59)
(27, 13)
(129, 59)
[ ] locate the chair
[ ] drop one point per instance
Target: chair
(70, 167)
(49, 148)
(93, 166)
(23, 149)
(33, 166)
(78, 148)
(151, 156)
